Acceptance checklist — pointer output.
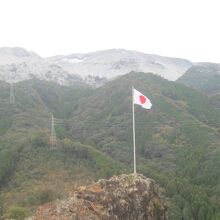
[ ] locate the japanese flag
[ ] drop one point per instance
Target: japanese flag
(140, 99)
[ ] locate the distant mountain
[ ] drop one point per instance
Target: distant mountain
(18, 64)
(15, 55)
(40, 70)
(94, 69)
(204, 77)
(115, 62)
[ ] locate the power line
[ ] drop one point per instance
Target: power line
(177, 124)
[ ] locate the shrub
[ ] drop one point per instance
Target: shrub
(17, 213)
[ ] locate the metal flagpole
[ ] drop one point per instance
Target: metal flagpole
(134, 130)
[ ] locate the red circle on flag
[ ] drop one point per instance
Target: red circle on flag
(142, 99)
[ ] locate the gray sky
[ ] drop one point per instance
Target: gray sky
(178, 28)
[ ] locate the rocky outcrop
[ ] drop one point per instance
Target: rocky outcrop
(124, 197)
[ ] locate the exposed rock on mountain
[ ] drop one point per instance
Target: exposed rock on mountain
(18, 64)
(125, 197)
(9, 55)
(115, 62)
(40, 70)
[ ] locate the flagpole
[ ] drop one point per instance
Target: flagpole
(134, 130)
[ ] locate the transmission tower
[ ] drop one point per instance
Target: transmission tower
(53, 138)
(12, 95)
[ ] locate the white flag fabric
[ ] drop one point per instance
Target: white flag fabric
(141, 99)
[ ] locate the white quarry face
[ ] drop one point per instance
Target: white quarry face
(18, 64)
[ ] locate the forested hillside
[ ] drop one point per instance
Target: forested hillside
(204, 77)
(33, 172)
(178, 142)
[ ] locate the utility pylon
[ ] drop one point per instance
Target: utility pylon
(12, 94)
(53, 138)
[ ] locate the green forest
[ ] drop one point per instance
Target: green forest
(178, 142)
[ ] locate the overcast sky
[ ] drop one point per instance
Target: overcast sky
(177, 28)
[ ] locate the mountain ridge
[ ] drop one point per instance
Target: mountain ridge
(116, 62)
(93, 68)
(204, 77)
